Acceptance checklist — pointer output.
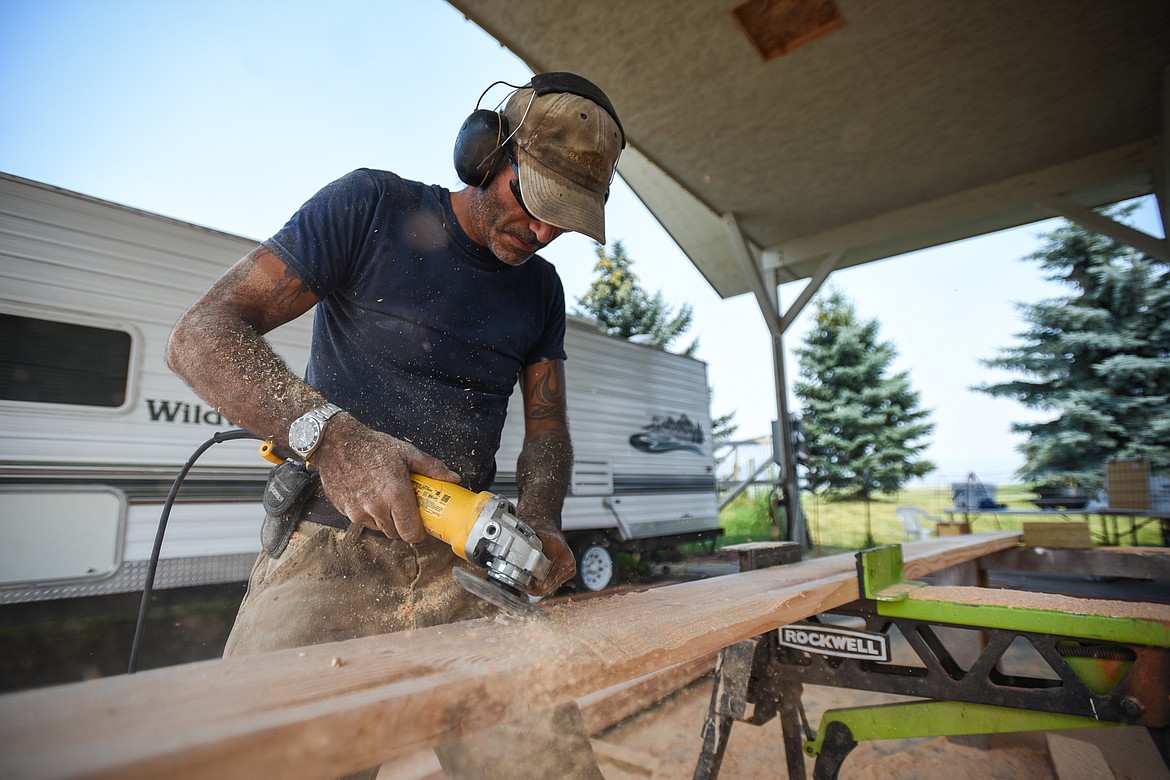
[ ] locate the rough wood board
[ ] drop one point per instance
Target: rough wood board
(599, 711)
(326, 710)
(603, 709)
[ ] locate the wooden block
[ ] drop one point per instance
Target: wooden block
(628, 759)
(760, 555)
(1071, 534)
(954, 528)
(1129, 751)
(1076, 760)
(423, 765)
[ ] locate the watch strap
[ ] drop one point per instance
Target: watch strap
(322, 415)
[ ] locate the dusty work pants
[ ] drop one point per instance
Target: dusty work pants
(330, 585)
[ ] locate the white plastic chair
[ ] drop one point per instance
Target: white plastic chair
(917, 523)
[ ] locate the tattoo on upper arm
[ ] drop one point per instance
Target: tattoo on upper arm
(546, 399)
(287, 289)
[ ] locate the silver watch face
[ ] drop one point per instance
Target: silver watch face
(304, 433)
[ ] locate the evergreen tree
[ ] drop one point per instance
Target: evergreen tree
(723, 428)
(624, 308)
(1098, 359)
(862, 426)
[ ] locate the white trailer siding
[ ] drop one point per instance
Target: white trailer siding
(615, 391)
(68, 258)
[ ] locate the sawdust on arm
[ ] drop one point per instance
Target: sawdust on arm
(218, 346)
(545, 465)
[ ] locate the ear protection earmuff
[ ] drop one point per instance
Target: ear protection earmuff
(480, 146)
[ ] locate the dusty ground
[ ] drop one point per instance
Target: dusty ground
(663, 743)
(668, 735)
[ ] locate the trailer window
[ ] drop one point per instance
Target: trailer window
(62, 363)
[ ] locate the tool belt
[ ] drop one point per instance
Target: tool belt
(294, 494)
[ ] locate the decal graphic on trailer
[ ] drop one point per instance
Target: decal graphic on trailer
(669, 434)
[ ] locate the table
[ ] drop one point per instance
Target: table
(1111, 520)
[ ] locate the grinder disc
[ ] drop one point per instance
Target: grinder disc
(498, 595)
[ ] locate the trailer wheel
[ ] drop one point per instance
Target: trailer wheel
(596, 566)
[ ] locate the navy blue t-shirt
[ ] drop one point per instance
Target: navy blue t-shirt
(420, 332)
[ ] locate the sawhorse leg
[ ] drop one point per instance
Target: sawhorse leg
(745, 673)
(744, 670)
(728, 704)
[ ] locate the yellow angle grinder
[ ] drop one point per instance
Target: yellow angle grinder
(483, 528)
(480, 527)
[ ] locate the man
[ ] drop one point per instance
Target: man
(429, 306)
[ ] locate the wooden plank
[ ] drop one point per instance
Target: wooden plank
(605, 708)
(599, 711)
(330, 709)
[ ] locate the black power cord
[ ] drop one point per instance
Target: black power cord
(148, 586)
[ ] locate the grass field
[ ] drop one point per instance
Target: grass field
(841, 525)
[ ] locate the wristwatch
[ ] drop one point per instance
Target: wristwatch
(304, 435)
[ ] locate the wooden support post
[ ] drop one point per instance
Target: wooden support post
(331, 709)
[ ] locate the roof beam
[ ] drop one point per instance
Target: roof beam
(983, 209)
(750, 270)
(827, 267)
(1091, 220)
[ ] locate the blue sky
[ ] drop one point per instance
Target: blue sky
(231, 114)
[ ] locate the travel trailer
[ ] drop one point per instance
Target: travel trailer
(95, 427)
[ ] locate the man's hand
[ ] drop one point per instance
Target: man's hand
(366, 476)
(563, 567)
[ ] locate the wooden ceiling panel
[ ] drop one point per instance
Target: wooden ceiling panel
(901, 105)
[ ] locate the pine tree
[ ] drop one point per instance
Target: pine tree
(862, 425)
(624, 308)
(1098, 359)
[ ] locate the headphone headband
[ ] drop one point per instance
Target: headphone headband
(484, 134)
